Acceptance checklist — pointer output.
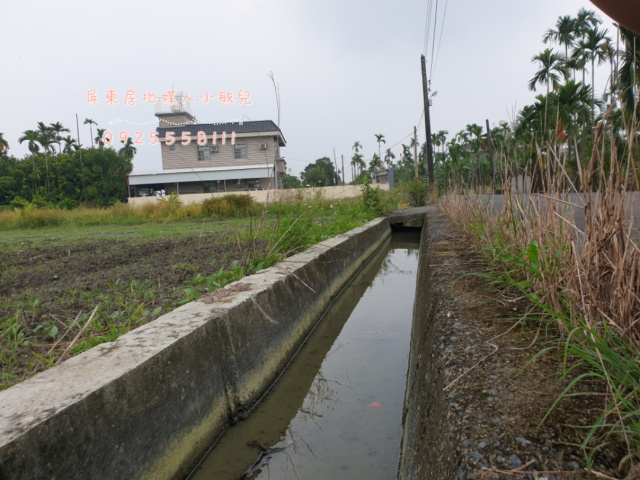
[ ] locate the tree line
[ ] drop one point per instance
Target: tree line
(324, 172)
(562, 120)
(66, 176)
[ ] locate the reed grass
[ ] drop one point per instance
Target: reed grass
(164, 210)
(586, 282)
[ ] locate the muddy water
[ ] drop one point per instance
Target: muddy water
(336, 412)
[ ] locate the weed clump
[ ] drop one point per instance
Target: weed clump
(230, 206)
(416, 191)
(371, 197)
(31, 217)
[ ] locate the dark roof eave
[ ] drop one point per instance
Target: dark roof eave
(261, 127)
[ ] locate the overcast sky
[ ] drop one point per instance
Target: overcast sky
(346, 70)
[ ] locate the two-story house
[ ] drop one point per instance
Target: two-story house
(218, 157)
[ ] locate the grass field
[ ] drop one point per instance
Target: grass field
(90, 276)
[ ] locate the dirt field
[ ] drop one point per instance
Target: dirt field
(133, 276)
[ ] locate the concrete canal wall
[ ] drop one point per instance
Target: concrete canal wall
(149, 404)
(427, 446)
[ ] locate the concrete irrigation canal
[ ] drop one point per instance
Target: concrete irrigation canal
(365, 356)
(336, 412)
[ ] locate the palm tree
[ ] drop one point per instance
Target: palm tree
(356, 146)
(462, 137)
(585, 20)
(375, 163)
(443, 137)
(46, 140)
(563, 34)
(477, 144)
(573, 102)
(455, 150)
(4, 145)
(531, 121)
(595, 45)
(629, 76)
(407, 156)
(379, 139)
(70, 145)
(388, 157)
(31, 136)
(358, 163)
(439, 139)
(475, 130)
(552, 64)
(91, 123)
(128, 151)
(99, 137)
(57, 129)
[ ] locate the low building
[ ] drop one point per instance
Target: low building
(213, 157)
(383, 176)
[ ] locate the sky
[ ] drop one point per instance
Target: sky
(346, 69)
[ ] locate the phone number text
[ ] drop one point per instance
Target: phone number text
(185, 138)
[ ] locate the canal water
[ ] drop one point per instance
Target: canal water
(336, 412)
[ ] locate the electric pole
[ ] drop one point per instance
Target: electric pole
(490, 149)
(343, 182)
(415, 151)
(427, 122)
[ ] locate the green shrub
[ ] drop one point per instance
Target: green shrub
(32, 217)
(416, 191)
(232, 205)
(371, 197)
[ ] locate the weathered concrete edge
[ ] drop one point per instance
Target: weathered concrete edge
(426, 444)
(150, 403)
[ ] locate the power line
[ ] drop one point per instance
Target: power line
(400, 141)
(427, 26)
(421, 117)
(433, 42)
(444, 15)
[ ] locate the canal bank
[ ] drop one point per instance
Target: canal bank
(148, 404)
(476, 397)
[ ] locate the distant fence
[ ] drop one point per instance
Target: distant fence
(287, 194)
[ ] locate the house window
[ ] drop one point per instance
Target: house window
(210, 187)
(204, 153)
(240, 150)
(174, 147)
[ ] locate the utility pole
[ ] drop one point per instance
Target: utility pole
(490, 149)
(427, 121)
(415, 151)
(343, 182)
(335, 163)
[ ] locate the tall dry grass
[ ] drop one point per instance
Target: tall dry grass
(167, 209)
(587, 281)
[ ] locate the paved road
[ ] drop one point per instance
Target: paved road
(496, 202)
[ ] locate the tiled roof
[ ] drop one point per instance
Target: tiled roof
(208, 128)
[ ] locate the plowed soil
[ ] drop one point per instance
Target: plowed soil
(46, 283)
